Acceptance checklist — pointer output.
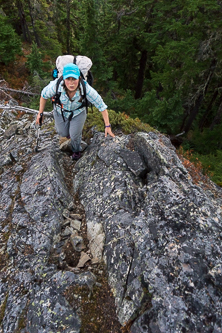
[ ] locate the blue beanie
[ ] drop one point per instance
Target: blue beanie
(71, 70)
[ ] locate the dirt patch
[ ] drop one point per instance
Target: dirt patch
(71, 257)
(96, 307)
(130, 145)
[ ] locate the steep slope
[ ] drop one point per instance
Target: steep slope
(158, 232)
(129, 203)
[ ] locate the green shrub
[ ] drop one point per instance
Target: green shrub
(119, 121)
(209, 165)
(212, 165)
(34, 60)
(206, 142)
(10, 44)
(161, 113)
(123, 102)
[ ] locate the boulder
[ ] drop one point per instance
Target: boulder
(161, 233)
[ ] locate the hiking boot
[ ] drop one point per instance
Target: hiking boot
(76, 156)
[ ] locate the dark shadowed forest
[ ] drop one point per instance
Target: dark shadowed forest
(156, 61)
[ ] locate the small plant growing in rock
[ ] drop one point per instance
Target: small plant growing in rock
(119, 121)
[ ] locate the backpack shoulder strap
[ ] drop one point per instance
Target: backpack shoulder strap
(74, 60)
(84, 93)
(56, 97)
(58, 83)
(83, 86)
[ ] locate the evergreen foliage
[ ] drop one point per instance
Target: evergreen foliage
(10, 44)
(206, 142)
(209, 164)
(34, 60)
(212, 164)
(158, 61)
(119, 121)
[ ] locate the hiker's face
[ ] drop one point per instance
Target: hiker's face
(71, 83)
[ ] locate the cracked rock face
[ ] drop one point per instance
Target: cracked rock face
(159, 233)
(32, 201)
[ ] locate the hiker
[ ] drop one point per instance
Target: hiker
(70, 113)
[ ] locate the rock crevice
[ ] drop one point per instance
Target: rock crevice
(44, 252)
(133, 206)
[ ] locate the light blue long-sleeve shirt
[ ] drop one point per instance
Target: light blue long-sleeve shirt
(91, 95)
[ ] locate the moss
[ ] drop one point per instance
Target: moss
(21, 321)
(6, 236)
(4, 258)
(96, 308)
(23, 315)
(94, 161)
(2, 309)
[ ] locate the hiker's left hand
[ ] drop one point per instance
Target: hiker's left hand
(109, 131)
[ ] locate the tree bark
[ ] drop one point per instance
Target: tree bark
(194, 112)
(33, 24)
(199, 99)
(141, 74)
(218, 118)
(208, 111)
(68, 26)
(25, 29)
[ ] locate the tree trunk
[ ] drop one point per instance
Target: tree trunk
(68, 26)
(199, 99)
(33, 25)
(194, 112)
(25, 29)
(208, 111)
(218, 118)
(141, 74)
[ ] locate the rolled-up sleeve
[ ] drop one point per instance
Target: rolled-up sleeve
(94, 98)
(49, 90)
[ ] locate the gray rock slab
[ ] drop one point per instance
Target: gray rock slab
(11, 130)
(33, 197)
(162, 234)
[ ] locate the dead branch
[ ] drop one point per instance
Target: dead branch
(5, 94)
(19, 91)
(24, 109)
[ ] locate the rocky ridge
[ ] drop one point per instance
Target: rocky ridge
(161, 233)
(133, 206)
(49, 281)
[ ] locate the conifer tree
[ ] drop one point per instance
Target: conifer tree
(10, 44)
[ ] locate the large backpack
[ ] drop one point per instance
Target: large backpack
(84, 63)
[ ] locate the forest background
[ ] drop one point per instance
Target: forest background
(159, 61)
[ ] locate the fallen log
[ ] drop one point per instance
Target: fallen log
(24, 109)
(19, 91)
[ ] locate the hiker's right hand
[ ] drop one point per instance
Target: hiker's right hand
(39, 119)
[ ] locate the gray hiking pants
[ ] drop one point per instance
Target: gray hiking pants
(72, 128)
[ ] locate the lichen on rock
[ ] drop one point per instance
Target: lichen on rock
(38, 263)
(162, 234)
(134, 208)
